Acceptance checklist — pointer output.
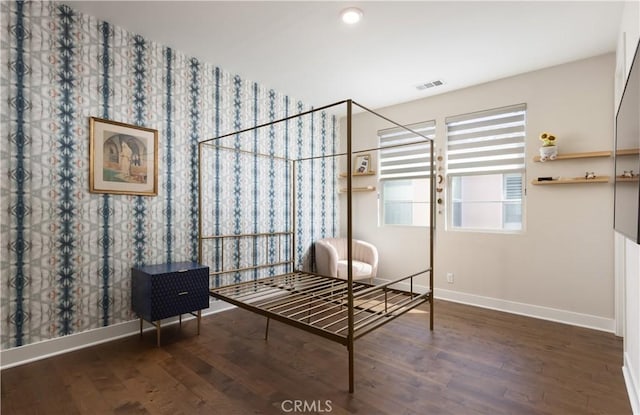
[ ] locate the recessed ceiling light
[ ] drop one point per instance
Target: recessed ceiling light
(352, 15)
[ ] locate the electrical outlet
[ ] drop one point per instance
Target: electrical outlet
(450, 277)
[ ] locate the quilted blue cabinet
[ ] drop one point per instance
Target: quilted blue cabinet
(167, 290)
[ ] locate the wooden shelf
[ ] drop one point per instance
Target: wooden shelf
(369, 173)
(576, 180)
(629, 152)
(358, 189)
(627, 179)
(569, 156)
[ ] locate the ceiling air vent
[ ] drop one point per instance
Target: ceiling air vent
(428, 85)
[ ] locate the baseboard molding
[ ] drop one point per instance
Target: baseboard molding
(41, 350)
(529, 310)
(632, 386)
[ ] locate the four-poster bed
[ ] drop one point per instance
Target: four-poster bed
(336, 309)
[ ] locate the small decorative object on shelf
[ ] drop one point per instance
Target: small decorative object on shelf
(362, 164)
(628, 176)
(549, 149)
(589, 175)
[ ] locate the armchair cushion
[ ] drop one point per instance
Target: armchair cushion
(360, 269)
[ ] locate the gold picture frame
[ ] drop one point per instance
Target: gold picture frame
(123, 158)
(362, 164)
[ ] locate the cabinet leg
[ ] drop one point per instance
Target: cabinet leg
(180, 321)
(140, 327)
(199, 318)
(158, 329)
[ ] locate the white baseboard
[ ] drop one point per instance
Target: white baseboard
(632, 386)
(529, 310)
(36, 351)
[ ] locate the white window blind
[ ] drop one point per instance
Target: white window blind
(405, 155)
(487, 142)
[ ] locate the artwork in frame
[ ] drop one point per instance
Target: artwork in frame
(123, 158)
(362, 164)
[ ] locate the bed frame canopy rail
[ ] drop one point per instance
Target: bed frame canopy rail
(336, 309)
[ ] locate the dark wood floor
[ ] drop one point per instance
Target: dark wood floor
(475, 362)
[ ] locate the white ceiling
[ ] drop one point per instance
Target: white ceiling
(304, 50)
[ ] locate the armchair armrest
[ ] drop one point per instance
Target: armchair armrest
(326, 259)
(366, 252)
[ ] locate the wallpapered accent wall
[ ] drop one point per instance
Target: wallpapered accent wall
(67, 253)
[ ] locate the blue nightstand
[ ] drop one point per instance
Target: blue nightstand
(167, 290)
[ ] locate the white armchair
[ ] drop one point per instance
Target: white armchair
(331, 258)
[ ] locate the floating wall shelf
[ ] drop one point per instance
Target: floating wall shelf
(569, 156)
(627, 179)
(629, 152)
(576, 180)
(369, 173)
(359, 189)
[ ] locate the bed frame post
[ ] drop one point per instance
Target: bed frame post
(200, 202)
(432, 228)
(349, 248)
(292, 216)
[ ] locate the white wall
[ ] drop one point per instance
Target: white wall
(631, 367)
(627, 253)
(567, 246)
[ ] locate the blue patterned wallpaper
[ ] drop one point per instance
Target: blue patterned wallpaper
(68, 253)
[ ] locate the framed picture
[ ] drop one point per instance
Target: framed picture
(362, 164)
(123, 159)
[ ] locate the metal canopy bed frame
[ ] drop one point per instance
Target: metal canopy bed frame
(336, 309)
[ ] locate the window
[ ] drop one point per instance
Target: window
(512, 204)
(485, 166)
(406, 202)
(405, 158)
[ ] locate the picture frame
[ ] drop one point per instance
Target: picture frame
(362, 164)
(123, 158)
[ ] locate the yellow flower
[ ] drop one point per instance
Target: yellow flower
(547, 139)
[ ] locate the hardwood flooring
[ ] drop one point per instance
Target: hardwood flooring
(476, 361)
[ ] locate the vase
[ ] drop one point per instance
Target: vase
(548, 153)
